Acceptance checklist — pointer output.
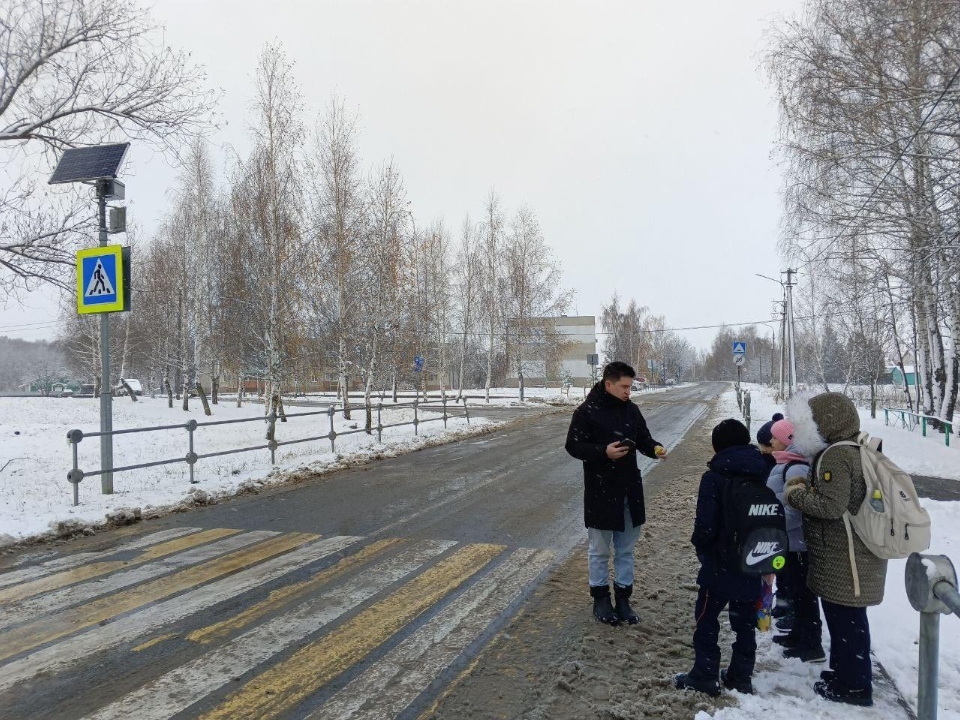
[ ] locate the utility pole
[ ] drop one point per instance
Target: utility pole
(791, 331)
(106, 389)
(783, 345)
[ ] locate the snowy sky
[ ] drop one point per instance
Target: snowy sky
(639, 131)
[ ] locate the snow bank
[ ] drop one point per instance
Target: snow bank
(36, 498)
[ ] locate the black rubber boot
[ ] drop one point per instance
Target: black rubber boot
(738, 684)
(624, 611)
(789, 640)
(831, 691)
(684, 682)
(602, 607)
(806, 653)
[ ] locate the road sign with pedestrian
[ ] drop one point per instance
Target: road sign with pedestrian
(418, 364)
(739, 347)
(102, 285)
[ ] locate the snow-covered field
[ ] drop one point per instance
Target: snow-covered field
(785, 687)
(35, 455)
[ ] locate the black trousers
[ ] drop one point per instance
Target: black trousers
(807, 626)
(849, 646)
(743, 621)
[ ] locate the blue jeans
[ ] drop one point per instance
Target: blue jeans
(598, 552)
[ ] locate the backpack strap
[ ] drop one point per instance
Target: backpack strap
(846, 517)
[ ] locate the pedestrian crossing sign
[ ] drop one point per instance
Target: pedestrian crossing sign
(101, 280)
(739, 348)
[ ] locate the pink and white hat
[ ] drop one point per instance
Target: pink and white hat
(782, 430)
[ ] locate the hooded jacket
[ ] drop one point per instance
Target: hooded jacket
(600, 420)
(838, 486)
(779, 477)
(739, 460)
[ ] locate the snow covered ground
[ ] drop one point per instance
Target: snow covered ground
(35, 455)
(785, 687)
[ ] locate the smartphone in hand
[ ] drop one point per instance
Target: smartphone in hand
(627, 442)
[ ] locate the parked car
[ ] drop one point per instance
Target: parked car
(671, 381)
(135, 385)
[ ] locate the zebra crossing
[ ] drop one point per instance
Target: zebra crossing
(221, 623)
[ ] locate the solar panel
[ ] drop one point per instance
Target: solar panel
(89, 163)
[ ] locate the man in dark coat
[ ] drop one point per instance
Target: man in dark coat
(606, 433)
(722, 586)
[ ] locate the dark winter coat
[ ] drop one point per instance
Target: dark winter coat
(603, 419)
(742, 461)
(838, 486)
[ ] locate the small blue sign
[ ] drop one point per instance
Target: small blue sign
(418, 364)
(99, 280)
(739, 348)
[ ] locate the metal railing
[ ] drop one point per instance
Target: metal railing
(931, 582)
(915, 419)
(75, 437)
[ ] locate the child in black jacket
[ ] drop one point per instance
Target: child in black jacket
(721, 586)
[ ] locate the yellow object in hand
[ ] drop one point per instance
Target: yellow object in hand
(660, 451)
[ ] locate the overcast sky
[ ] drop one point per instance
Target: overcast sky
(640, 132)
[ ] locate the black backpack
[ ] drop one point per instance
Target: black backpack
(753, 532)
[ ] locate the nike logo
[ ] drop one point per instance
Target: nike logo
(753, 558)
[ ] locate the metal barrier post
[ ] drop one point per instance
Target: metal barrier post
(380, 422)
(444, 410)
(886, 417)
(191, 458)
(465, 411)
(76, 474)
(931, 582)
(929, 668)
(416, 416)
(923, 424)
(333, 432)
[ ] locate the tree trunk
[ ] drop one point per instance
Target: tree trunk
(126, 386)
(166, 383)
(186, 393)
(203, 400)
(343, 377)
(96, 386)
(215, 382)
(239, 390)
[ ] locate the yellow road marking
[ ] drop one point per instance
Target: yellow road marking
(283, 595)
(96, 569)
(286, 684)
(63, 623)
(155, 641)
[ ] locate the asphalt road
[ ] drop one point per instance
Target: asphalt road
(358, 595)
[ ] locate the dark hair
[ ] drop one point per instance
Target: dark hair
(616, 370)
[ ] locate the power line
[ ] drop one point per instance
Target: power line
(899, 157)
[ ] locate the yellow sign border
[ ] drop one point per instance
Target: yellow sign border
(117, 252)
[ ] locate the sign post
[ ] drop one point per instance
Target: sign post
(739, 357)
(101, 285)
(593, 360)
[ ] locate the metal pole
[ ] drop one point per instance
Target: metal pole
(783, 345)
(106, 397)
(929, 669)
(793, 349)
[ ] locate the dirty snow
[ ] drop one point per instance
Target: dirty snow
(35, 456)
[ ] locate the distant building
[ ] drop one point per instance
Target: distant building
(560, 353)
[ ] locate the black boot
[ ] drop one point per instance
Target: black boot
(602, 607)
(806, 653)
(738, 684)
(833, 692)
(624, 611)
(683, 681)
(790, 640)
